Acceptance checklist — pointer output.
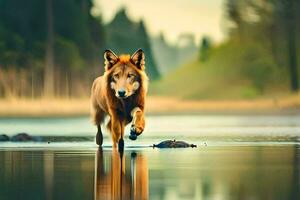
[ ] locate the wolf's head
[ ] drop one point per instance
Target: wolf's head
(126, 74)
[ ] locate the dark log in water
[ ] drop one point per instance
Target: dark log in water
(173, 144)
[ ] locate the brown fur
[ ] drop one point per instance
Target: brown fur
(126, 73)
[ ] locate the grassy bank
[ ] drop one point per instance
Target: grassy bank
(155, 105)
(232, 71)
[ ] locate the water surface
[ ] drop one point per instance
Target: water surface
(238, 157)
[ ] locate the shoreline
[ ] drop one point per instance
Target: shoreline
(154, 105)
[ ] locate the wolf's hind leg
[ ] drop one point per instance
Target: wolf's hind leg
(98, 117)
(99, 136)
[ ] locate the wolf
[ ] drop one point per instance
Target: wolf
(120, 94)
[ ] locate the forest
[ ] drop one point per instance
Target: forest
(268, 31)
(54, 48)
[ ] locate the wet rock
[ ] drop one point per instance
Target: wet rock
(173, 144)
(22, 137)
(4, 138)
(181, 144)
(165, 144)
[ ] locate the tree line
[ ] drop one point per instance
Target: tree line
(54, 48)
(269, 30)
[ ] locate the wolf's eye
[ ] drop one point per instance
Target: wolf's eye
(116, 76)
(131, 76)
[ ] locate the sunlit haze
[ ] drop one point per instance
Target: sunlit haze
(172, 17)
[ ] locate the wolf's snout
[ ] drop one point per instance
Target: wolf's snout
(121, 93)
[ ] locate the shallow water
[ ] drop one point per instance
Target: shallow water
(238, 157)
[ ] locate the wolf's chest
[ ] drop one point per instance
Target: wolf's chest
(124, 110)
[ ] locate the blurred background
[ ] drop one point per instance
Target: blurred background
(195, 49)
(224, 75)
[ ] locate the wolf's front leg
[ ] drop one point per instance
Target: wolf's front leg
(138, 122)
(117, 130)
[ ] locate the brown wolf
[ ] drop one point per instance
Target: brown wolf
(120, 94)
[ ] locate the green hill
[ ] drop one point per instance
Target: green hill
(233, 71)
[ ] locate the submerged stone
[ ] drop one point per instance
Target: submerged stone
(4, 138)
(173, 144)
(22, 137)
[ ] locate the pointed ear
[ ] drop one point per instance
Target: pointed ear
(110, 58)
(138, 59)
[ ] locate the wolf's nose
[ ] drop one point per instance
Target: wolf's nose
(121, 93)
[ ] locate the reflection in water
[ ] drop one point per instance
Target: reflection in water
(211, 172)
(295, 193)
(242, 172)
(121, 176)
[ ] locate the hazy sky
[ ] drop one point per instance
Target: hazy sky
(172, 17)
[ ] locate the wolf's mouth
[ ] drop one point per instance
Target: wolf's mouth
(122, 97)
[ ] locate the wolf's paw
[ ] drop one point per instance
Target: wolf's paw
(137, 129)
(132, 135)
(138, 125)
